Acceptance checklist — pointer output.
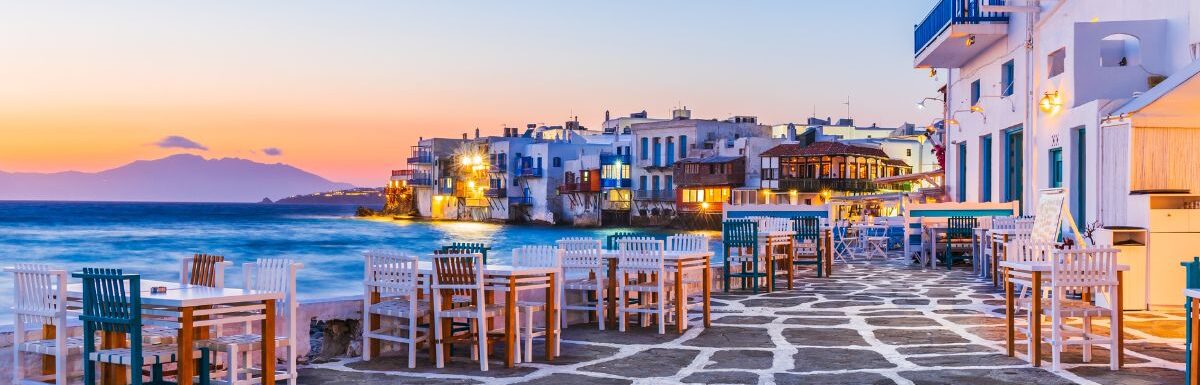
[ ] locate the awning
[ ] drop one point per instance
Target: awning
(1171, 103)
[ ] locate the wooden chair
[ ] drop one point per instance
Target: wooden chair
(392, 284)
(687, 243)
(808, 243)
(461, 275)
(467, 248)
(41, 299)
(640, 270)
(535, 256)
(741, 235)
(112, 303)
(958, 239)
(1081, 270)
(273, 275)
(584, 271)
(203, 270)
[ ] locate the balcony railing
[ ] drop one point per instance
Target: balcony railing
(443, 190)
(654, 195)
(576, 187)
(948, 12)
(401, 173)
(530, 172)
(616, 183)
(811, 185)
(420, 182)
(476, 202)
(498, 168)
(495, 192)
(420, 159)
(696, 207)
(616, 205)
(520, 201)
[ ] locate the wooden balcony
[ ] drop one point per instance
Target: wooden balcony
(812, 185)
(699, 207)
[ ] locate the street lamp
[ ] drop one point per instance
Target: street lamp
(921, 103)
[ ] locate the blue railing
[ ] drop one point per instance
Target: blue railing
(495, 192)
(532, 172)
(612, 159)
(420, 182)
(948, 12)
(520, 201)
(424, 158)
(616, 183)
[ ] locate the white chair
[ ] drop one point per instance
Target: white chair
(200, 270)
(873, 240)
(584, 270)
(274, 275)
(842, 241)
(1080, 270)
(461, 275)
(688, 243)
(535, 256)
(40, 299)
(640, 270)
(391, 307)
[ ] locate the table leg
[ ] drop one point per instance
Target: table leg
(268, 343)
(828, 253)
(510, 324)
(1119, 302)
(113, 374)
(933, 249)
(995, 263)
(770, 267)
(680, 297)
(552, 317)
(612, 292)
(185, 368)
(707, 282)
(1009, 316)
(1035, 320)
(375, 319)
(48, 333)
(791, 261)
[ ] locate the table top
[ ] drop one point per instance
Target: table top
(1040, 266)
(498, 270)
(669, 255)
(178, 295)
(1009, 231)
(1191, 293)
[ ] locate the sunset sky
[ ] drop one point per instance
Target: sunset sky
(343, 88)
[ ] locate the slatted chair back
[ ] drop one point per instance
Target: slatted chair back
(536, 256)
(640, 255)
(458, 275)
(276, 275)
(1023, 249)
(1003, 223)
(391, 274)
(739, 233)
(581, 257)
(958, 228)
(771, 225)
(1023, 223)
(112, 302)
(1076, 269)
(610, 242)
(808, 229)
(203, 270)
(467, 248)
(687, 242)
(40, 294)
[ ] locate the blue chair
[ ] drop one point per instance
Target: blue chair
(112, 303)
(808, 229)
(610, 242)
(467, 248)
(1193, 282)
(741, 235)
(958, 239)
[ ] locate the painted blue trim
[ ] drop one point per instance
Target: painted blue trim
(960, 213)
(777, 214)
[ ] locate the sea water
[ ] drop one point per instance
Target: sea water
(151, 238)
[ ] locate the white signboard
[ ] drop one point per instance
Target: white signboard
(1047, 220)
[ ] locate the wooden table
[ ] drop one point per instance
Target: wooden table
(1035, 270)
(774, 239)
(1193, 296)
(679, 262)
(194, 308)
(509, 280)
(1000, 238)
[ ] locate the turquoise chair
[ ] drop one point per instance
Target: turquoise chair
(808, 229)
(112, 302)
(467, 248)
(958, 239)
(1193, 282)
(610, 242)
(741, 234)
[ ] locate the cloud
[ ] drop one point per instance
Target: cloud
(272, 151)
(175, 141)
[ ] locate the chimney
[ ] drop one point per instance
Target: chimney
(464, 136)
(606, 117)
(791, 132)
(476, 132)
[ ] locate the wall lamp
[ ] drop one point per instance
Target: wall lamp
(1051, 102)
(921, 103)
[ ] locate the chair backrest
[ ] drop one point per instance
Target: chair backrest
(1003, 223)
(1083, 268)
(537, 256)
(610, 242)
(770, 225)
(41, 294)
(203, 270)
(391, 274)
(112, 301)
(1192, 271)
(276, 275)
(739, 233)
(640, 255)
(467, 248)
(1023, 223)
(458, 275)
(687, 242)
(807, 228)
(1023, 249)
(581, 256)
(960, 227)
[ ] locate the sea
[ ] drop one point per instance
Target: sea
(151, 238)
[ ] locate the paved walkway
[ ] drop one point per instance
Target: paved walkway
(873, 323)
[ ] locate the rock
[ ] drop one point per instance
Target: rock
(362, 211)
(266, 200)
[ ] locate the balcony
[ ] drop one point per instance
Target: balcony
(421, 159)
(498, 168)
(520, 201)
(476, 202)
(530, 172)
(954, 31)
(445, 190)
(654, 195)
(401, 174)
(812, 185)
(699, 207)
(495, 193)
(567, 188)
(615, 205)
(419, 181)
(616, 183)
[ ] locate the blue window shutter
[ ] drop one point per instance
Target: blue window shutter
(645, 148)
(682, 146)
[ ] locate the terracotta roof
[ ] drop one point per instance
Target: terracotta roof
(895, 162)
(824, 148)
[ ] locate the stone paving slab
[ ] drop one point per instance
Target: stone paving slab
(871, 323)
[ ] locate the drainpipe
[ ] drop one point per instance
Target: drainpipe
(1033, 25)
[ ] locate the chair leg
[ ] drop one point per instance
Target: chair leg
(1087, 338)
(620, 305)
(662, 325)
(205, 367)
(234, 361)
(529, 334)
(600, 303)
(481, 328)
(437, 343)
(412, 342)
(1114, 338)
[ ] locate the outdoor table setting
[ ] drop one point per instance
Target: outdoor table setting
(680, 263)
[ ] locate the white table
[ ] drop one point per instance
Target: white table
(1035, 269)
(679, 262)
(195, 308)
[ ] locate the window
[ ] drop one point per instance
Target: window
(1080, 210)
(975, 92)
(556, 162)
(1007, 78)
(1056, 163)
(670, 151)
(1120, 50)
(962, 172)
(682, 146)
(908, 152)
(985, 168)
(642, 183)
(645, 148)
(657, 152)
(1056, 63)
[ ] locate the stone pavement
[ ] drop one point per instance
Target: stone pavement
(872, 323)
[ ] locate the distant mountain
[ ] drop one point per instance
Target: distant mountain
(176, 178)
(362, 196)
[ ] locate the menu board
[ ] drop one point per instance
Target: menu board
(1047, 220)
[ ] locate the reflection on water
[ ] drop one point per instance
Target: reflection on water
(150, 238)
